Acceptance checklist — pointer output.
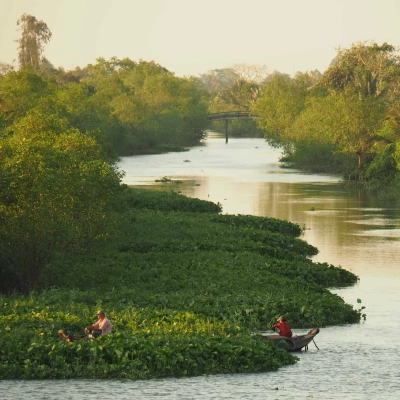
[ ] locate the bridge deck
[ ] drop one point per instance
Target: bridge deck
(229, 115)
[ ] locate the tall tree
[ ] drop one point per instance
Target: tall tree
(33, 37)
(353, 125)
(251, 73)
(281, 101)
(56, 195)
(371, 69)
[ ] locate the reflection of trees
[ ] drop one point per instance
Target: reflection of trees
(320, 209)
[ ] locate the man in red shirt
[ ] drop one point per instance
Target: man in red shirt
(282, 327)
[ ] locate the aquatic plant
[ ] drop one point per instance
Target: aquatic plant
(185, 288)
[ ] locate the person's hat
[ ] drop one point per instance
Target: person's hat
(100, 312)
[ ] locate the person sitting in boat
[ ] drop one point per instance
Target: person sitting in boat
(282, 327)
(101, 327)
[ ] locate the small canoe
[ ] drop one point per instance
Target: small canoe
(70, 338)
(295, 343)
(67, 337)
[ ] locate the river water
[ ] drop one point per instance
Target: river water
(350, 228)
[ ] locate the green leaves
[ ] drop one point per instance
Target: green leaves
(280, 103)
(339, 121)
(56, 194)
(34, 35)
(148, 106)
(21, 91)
(138, 356)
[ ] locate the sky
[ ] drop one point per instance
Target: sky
(193, 37)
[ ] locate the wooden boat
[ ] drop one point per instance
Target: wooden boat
(69, 338)
(295, 343)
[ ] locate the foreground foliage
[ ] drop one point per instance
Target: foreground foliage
(145, 344)
(184, 291)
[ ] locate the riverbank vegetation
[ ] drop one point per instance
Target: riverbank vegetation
(344, 121)
(184, 290)
(185, 286)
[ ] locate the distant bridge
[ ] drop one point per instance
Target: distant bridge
(227, 115)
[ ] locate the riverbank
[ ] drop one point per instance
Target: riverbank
(184, 287)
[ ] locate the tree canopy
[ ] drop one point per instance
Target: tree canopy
(34, 34)
(56, 194)
(349, 110)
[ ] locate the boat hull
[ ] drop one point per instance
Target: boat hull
(295, 343)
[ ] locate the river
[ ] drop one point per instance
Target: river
(351, 229)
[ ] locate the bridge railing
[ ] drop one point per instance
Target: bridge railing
(230, 115)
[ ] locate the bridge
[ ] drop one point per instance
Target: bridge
(227, 115)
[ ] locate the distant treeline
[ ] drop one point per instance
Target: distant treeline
(135, 107)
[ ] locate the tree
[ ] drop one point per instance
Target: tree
(74, 102)
(359, 114)
(5, 68)
(309, 78)
(217, 79)
(397, 155)
(145, 107)
(250, 73)
(352, 124)
(161, 109)
(281, 101)
(56, 195)
(238, 96)
(381, 172)
(22, 90)
(371, 69)
(34, 35)
(392, 124)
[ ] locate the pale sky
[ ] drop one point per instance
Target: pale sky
(192, 37)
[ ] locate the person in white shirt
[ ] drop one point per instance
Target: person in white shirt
(101, 327)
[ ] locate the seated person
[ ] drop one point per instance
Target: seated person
(101, 327)
(282, 327)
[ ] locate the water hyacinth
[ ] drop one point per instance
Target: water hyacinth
(185, 291)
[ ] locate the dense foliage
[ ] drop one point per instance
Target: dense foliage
(184, 291)
(342, 121)
(137, 107)
(56, 195)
